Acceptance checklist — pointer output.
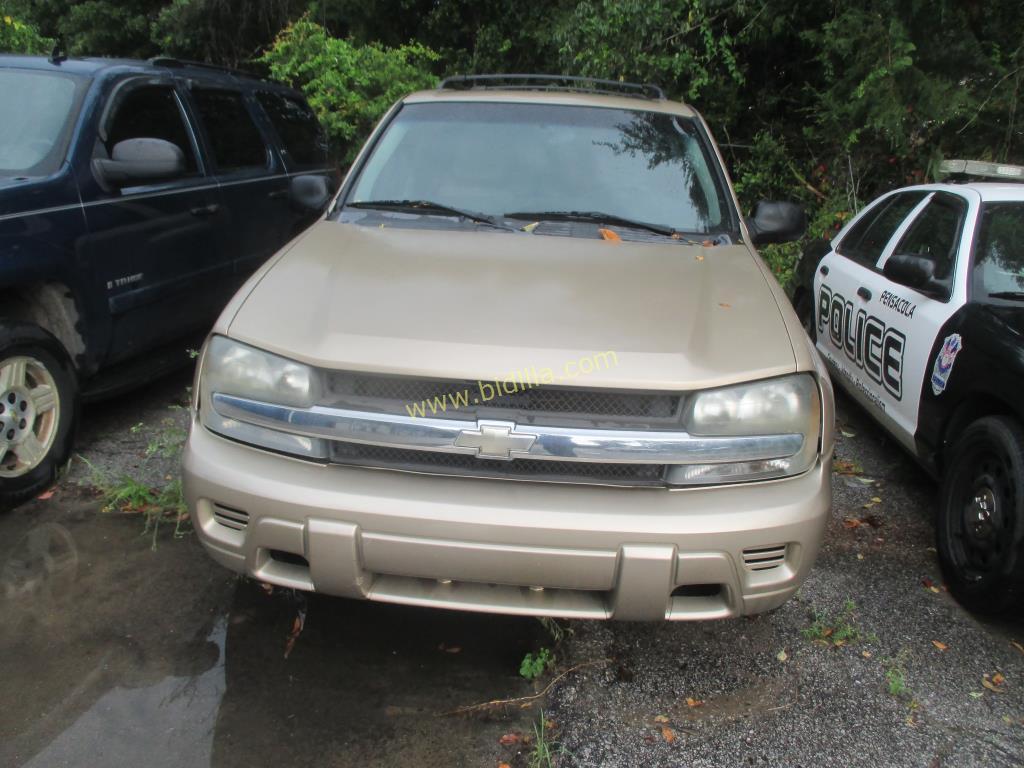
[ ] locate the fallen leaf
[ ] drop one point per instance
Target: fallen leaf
(699, 256)
(866, 654)
(929, 584)
(782, 656)
(976, 694)
(851, 522)
(267, 588)
(668, 734)
(297, 625)
(504, 765)
(940, 646)
(1017, 645)
(845, 467)
(531, 226)
(865, 480)
(660, 719)
(992, 683)
(510, 738)
(609, 235)
(723, 305)
(860, 556)
(45, 495)
(693, 703)
(876, 499)
(847, 434)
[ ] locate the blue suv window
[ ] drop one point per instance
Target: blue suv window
(303, 139)
(235, 141)
(150, 112)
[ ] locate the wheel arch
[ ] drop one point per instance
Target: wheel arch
(52, 306)
(974, 406)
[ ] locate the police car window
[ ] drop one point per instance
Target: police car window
(149, 112)
(999, 254)
(297, 126)
(235, 140)
(935, 233)
(869, 236)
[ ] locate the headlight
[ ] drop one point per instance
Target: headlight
(232, 368)
(790, 405)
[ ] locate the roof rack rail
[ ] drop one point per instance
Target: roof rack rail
(553, 83)
(171, 62)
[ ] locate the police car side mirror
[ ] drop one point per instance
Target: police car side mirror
(136, 161)
(776, 222)
(911, 270)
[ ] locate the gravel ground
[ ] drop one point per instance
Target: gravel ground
(115, 653)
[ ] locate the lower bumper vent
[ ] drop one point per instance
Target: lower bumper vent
(235, 519)
(764, 558)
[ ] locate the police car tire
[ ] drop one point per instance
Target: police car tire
(24, 339)
(989, 452)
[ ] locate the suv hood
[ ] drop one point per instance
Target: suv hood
(494, 305)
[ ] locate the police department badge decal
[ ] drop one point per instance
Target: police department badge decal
(944, 362)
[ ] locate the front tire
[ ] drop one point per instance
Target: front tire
(981, 516)
(38, 410)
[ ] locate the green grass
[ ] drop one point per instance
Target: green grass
(545, 751)
(835, 630)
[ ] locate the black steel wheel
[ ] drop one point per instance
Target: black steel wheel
(981, 516)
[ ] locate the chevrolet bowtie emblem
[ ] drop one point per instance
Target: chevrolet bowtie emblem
(495, 439)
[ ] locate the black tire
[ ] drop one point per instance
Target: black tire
(26, 340)
(981, 516)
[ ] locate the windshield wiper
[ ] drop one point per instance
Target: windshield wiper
(1007, 295)
(597, 217)
(428, 207)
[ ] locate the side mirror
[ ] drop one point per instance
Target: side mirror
(310, 193)
(139, 161)
(776, 222)
(910, 270)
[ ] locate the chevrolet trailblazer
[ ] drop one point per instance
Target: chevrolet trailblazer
(355, 429)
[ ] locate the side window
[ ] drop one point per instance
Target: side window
(303, 138)
(935, 233)
(999, 253)
(235, 141)
(868, 238)
(148, 112)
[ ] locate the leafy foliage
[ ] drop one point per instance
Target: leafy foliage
(827, 104)
(18, 37)
(535, 665)
(350, 86)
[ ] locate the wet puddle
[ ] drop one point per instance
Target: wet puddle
(112, 654)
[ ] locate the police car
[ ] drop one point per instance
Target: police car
(919, 315)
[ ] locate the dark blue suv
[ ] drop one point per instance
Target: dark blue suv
(135, 198)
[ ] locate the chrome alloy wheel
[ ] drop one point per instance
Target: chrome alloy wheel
(29, 414)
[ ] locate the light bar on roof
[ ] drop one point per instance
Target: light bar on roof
(981, 169)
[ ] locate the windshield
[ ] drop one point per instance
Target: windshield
(999, 253)
(502, 158)
(37, 110)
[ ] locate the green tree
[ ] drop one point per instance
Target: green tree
(18, 37)
(349, 85)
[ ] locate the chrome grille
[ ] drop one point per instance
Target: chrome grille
(432, 462)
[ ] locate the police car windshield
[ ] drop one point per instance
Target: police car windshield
(999, 255)
(38, 107)
(498, 158)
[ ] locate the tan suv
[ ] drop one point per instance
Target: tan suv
(528, 362)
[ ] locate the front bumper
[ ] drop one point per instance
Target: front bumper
(504, 546)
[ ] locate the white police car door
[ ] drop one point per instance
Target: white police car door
(877, 335)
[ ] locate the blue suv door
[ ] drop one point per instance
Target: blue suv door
(251, 175)
(158, 250)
